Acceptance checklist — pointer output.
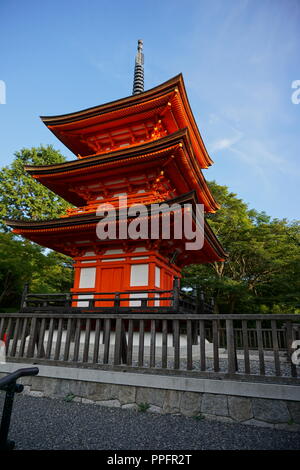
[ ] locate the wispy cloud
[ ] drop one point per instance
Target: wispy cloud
(224, 143)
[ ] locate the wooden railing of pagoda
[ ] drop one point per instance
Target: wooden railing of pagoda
(157, 342)
(155, 300)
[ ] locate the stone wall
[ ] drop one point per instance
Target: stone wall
(224, 406)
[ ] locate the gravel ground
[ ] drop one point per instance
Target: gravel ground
(45, 423)
(285, 368)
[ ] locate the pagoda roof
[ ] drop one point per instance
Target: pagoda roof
(62, 178)
(63, 233)
(169, 98)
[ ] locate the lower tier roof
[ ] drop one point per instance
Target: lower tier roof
(75, 235)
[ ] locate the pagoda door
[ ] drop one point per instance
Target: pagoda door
(111, 280)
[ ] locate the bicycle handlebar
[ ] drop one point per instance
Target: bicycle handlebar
(8, 379)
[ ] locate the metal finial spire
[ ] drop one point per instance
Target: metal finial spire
(138, 82)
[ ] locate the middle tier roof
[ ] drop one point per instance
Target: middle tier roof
(79, 181)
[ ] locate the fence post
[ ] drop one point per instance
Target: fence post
(200, 302)
(118, 342)
(289, 341)
(24, 295)
(68, 302)
(117, 300)
(32, 337)
(176, 290)
(230, 347)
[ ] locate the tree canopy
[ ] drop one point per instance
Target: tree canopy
(21, 261)
(262, 271)
(21, 196)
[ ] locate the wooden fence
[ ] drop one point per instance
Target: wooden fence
(154, 341)
(252, 337)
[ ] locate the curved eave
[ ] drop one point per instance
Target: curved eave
(112, 105)
(52, 236)
(190, 197)
(152, 146)
(45, 232)
(48, 173)
(60, 123)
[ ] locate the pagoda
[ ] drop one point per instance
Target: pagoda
(146, 147)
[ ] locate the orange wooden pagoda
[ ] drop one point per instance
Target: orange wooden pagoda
(146, 146)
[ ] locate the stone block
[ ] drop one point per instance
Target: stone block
(153, 396)
(240, 408)
(36, 393)
(26, 389)
(46, 385)
(190, 403)
(214, 404)
(87, 401)
(123, 393)
(25, 380)
(62, 388)
(172, 401)
(220, 419)
(39, 383)
(77, 399)
(270, 411)
(109, 403)
(261, 424)
(288, 427)
(130, 406)
(155, 409)
(96, 391)
(294, 409)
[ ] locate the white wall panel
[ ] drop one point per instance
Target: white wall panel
(139, 275)
(84, 303)
(137, 303)
(157, 276)
(87, 278)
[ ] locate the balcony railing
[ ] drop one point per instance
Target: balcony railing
(155, 300)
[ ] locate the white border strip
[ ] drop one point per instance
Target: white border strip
(186, 384)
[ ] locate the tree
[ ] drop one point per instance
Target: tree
(24, 262)
(21, 196)
(21, 261)
(262, 269)
(18, 261)
(55, 275)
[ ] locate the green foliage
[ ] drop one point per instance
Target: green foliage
(142, 407)
(69, 397)
(21, 261)
(199, 417)
(262, 272)
(21, 196)
(24, 262)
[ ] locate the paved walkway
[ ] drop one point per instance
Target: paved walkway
(45, 423)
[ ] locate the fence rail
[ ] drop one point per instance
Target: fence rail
(155, 341)
(151, 299)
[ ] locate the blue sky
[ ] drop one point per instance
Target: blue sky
(238, 58)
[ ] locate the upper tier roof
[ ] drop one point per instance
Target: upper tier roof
(85, 132)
